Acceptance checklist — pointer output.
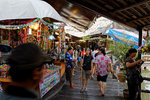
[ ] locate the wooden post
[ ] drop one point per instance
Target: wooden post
(106, 43)
(147, 33)
(140, 42)
(139, 57)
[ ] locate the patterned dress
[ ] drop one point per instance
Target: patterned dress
(68, 60)
(102, 62)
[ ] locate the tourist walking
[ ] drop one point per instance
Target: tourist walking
(102, 69)
(75, 56)
(134, 78)
(69, 66)
(83, 52)
(75, 61)
(94, 65)
(26, 70)
(86, 68)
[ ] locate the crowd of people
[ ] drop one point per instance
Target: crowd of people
(96, 62)
(26, 71)
(90, 63)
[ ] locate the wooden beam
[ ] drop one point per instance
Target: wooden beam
(86, 23)
(146, 78)
(145, 91)
(142, 10)
(74, 21)
(97, 4)
(139, 14)
(102, 12)
(131, 6)
(123, 15)
(139, 18)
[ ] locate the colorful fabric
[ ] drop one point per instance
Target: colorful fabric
(68, 60)
(102, 62)
(83, 53)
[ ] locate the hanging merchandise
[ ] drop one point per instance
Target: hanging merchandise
(51, 24)
(15, 27)
(39, 31)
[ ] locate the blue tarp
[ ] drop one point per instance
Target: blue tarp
(124, 37)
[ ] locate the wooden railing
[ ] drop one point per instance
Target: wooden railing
(146, 91)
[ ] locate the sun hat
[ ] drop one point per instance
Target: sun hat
(26, 56)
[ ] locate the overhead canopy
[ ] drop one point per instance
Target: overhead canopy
(26, 9)
(134, 13)
(100, 26)
(75, 15)
(74, 32)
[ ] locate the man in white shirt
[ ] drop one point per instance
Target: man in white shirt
(93, 54)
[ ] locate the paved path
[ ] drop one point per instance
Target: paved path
(113, 90)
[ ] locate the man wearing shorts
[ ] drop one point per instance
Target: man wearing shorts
(87, 66)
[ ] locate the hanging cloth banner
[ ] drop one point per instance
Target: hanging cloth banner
(14, 27)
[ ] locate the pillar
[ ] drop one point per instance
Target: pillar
(140, 42)
(147, 33)
(139, 56)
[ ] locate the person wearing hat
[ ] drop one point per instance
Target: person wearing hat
(26, 70)
(102, 68)
(69, 66)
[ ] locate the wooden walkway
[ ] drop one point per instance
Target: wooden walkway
(113, 91)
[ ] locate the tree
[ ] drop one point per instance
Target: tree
(119, 50)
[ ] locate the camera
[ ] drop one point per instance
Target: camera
(139, 64)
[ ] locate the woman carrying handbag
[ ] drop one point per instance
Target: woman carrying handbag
(102, 62)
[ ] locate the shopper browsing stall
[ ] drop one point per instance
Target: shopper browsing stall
(69, 66)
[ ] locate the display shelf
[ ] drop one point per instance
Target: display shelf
(49, 80)
(5, 79)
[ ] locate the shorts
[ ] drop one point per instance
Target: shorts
(68, 74)
(102, 78)
(86, 74)
(79, 59)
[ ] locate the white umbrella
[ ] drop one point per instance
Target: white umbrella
(24, 9)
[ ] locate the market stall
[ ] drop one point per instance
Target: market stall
(39, 32)
(35, 24)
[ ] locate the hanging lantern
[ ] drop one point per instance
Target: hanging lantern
(51, 37)
(34, 26)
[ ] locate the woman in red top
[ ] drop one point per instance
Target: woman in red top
(83, 52)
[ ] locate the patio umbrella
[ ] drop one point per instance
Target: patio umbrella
(124, 36)
(5, 48)
(27, 9)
